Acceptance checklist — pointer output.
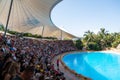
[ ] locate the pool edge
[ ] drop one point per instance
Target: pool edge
(72, 71)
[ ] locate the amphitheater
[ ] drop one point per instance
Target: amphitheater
(33, 16)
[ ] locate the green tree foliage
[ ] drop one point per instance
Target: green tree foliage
(79, 44)
(50, 38)
(25, 34)
(115, 44)
(1, 27)
(88, 36)
(102, 40)
(93, 46)
(116, 41)
(12, 32)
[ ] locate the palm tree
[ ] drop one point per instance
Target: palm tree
(102, 33)
(88, 37)
(103, 37)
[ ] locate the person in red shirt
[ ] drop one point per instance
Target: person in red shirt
(58, 63)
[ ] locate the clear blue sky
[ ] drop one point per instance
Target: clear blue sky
(79, 16)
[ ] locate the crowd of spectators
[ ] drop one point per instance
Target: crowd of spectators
(30, 59)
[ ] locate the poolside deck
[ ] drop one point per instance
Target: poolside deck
(67, 73)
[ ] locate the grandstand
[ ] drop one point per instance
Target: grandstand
(26, 58)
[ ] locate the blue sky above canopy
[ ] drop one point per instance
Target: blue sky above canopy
(78, 16)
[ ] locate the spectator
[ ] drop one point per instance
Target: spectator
(27, 74)
(32, 52)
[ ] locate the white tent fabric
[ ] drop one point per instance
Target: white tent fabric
(31, 16)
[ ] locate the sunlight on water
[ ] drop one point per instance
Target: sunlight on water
(95, 65)
(75, 61)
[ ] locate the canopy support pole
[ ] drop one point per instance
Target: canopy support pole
(42, 31)
(8, 17)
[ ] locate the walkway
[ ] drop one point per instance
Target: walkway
(67, 73)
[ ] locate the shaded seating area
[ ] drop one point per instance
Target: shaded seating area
(30, 59)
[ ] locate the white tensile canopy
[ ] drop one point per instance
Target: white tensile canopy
(31, 16)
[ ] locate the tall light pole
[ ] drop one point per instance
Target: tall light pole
(61, 34)
(42, 30)
(8, 17)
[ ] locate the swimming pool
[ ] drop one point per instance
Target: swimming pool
(99, 65)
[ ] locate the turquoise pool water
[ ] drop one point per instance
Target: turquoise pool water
(95, 65)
